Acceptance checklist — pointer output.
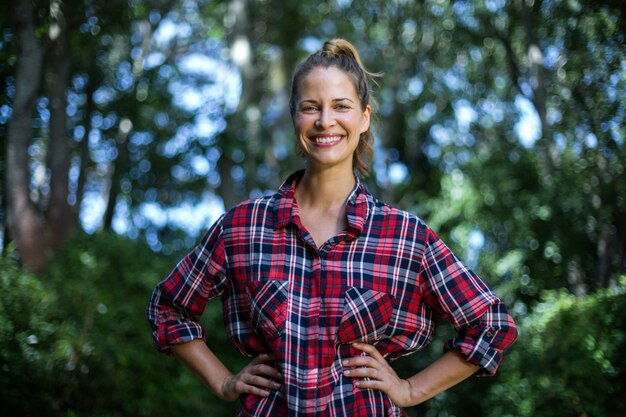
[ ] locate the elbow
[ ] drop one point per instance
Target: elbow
(508, 333)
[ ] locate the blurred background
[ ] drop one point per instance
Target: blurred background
(128, 126)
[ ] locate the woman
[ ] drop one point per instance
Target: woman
(323, 284)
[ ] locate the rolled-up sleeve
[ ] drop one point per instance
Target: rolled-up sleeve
(177, 302)
(483, 324)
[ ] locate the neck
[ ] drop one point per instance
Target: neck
(329, 188)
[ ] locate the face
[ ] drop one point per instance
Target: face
(329, 119)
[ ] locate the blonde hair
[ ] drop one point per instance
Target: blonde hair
(343, 55)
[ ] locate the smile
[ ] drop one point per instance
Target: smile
(326, 139)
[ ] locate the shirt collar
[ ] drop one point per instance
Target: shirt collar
(286, 210)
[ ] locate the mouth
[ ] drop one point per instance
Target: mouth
(327, 140)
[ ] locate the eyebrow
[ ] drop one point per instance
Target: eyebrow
(334, 100)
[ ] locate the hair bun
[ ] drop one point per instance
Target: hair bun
(337, 47)
(343, 55)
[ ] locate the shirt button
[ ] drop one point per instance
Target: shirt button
(489, 334)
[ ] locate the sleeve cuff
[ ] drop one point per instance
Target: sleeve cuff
(174, 333)
(478, 350)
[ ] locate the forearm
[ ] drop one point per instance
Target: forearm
(203, 362)
(447, 371)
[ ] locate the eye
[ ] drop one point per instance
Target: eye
(343, 107)
(308, 109)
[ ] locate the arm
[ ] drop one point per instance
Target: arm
(177, 302)
(484, 330)
(447, 371)
(257, 378)
(174, 312)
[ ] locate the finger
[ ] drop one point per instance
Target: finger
(368, 360)
(264, 357)
(369, 384)
(359, 373)
(244, 388)
(260, 382)
(267, 370)
(365, 372)
(369, 349)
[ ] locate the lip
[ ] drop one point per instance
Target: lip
(326, 139)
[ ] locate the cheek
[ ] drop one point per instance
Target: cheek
(353, 125)
(300, 125)
(300, 134)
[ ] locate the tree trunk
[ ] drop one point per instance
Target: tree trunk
(536, 78)
(239, 131)
(24, 222)
(607, 241)
(118, 166)
(85, 159)
(61, 218)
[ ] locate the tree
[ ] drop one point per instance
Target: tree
(501, 124)
(148, 131)
(91, 126)
(24, 221)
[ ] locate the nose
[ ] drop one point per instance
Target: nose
(325, 119)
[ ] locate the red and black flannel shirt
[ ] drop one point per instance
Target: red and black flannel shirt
(383, 281)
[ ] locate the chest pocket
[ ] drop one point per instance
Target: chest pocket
(365, 317)
(268, 306)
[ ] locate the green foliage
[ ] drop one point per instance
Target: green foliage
(550, 211)
(568, 361)
(455, 74)
(77, 342)
(27, 341)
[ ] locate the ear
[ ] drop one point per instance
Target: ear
(366, 118)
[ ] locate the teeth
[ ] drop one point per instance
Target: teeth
(327, 139)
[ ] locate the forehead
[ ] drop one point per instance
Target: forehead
(327, 81)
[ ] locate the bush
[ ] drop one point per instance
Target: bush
(568, 361)
(27, 340)
(76, 342)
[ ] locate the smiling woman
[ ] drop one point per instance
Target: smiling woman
(329, 119)
(323, 284)
(340, 55)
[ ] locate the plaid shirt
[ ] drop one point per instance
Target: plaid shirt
(383, 281)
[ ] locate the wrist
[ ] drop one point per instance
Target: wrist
(226, 391)
(416, 393)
